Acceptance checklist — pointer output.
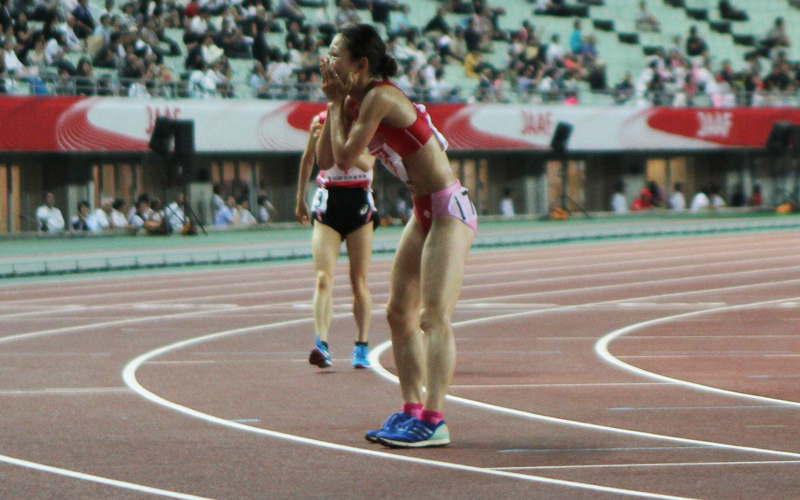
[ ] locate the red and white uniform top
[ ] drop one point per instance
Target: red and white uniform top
(336, 177)
(392, 144)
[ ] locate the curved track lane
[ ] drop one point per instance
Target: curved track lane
(661, 368)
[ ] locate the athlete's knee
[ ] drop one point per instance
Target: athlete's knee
(358, 283)
(399, 318)
(433, 319)
(324, 281)
(394, 316)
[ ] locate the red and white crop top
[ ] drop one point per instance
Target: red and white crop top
(336, 177)
(392, 144)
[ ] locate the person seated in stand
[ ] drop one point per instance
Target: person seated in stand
(777, 38)
(85, 221)
(118, 218)
(103, 215)
(715, 199)
(48, 216)
(695, 44)
(176, 218)
(619, 204)
(243, 216)
(507, 203)
(438, 23)
(645, 20)
(756, 198)
(700, 200)
(738, 198)
(677, 202)
(266, 210)
(140, 214)
(84, 22)
(643, 202)
(226, 214)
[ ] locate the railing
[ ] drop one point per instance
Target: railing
(110, 85)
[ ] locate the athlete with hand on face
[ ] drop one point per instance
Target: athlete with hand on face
(366, 111)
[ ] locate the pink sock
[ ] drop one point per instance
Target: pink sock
(413, 409)
(432, 417)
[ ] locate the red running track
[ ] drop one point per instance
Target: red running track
(652, 368)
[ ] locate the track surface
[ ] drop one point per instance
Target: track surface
(653, 368)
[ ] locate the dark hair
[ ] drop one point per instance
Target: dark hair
(83, 203)
(118, 203)
(362, 40)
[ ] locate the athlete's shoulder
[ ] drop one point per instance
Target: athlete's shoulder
(385, 99)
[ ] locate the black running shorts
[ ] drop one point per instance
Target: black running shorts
(343, 209)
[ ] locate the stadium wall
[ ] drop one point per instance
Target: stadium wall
(83, 148)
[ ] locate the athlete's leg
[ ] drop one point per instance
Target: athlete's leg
(443, 260)
(359, 250)
(325, 247)
(402, 311)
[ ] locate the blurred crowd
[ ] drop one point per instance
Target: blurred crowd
(149, 215)
(687, 70)
(185, 48)
(707, 197)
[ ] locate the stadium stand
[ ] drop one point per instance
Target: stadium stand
(622, 46)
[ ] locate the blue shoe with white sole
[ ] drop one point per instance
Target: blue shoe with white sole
(416, 433)
(392, 424)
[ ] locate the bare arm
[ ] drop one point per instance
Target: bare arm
(306, 166)
(349, 146)
(324, 151)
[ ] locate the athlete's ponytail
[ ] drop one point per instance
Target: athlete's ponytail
(388, 66)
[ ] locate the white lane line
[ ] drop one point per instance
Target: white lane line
(129, 376)
(602, 450)
(98, 479)
(376, 364)
(136, 320)
(522, 386)
(54, 354)
(186, 362)
(116, 322)
(589, 305)
(658, 408)
(601, 349)
(374, 358)
(667, 305)
(710, 355)
(66, 391)
(666, 464)
(480, 276)
(505, 305)
(628, 286)
(662, 337)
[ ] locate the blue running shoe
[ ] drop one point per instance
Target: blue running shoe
(416, 433)
(320, 356)
(392, 424)
(359, 357)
